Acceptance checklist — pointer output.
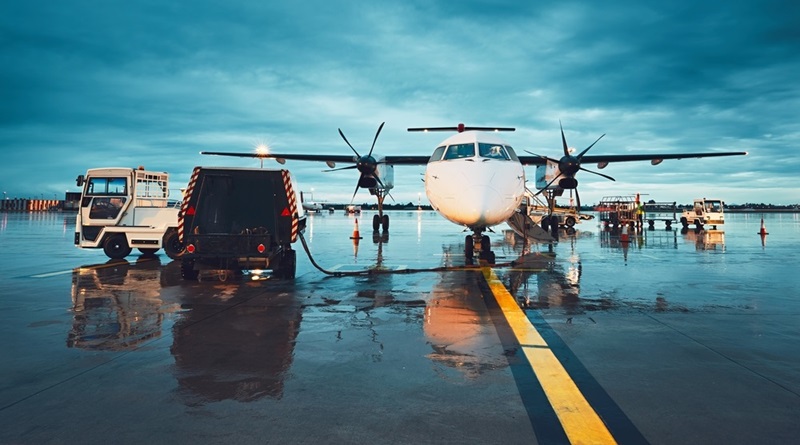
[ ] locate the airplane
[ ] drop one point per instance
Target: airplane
(310, 206)
(473, 178)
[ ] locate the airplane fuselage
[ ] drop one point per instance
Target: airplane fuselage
(475, 179)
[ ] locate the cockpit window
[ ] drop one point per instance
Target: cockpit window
(492, 151)
(437, 154)
(458, 151)
(511, 153)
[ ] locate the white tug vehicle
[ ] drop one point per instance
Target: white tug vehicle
(704, 212)
(125, 208)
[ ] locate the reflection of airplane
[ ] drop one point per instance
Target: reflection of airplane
(473, 178)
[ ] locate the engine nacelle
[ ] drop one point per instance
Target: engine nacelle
(545, 174)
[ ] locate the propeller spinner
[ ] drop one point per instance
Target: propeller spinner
(366, 165)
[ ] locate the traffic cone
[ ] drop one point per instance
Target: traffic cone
(763, 231)
(356, 234)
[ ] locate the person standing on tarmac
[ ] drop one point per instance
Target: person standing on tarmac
(639, 212)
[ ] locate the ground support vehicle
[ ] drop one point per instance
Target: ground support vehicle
(704, 212)
(660, 211)
(237, 219)
(124, 208)
(618, 211)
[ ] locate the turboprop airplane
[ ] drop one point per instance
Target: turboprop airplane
(473, 178)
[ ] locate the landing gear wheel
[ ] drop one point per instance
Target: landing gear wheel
(545, 223)
(469, 245)
(486, 244)
(187, 270)
(376, 223)
(172, 244)
(147, 251)
(385, 221)
(116, 247)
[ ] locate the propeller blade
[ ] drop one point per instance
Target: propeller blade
(376, 138)
(379, 181)
(354, 192)
(598, 174)
(563, 139)
(543, 157)
(587, 148)
(548, 185)
(348, 143)
(578, 199)
(350, 167)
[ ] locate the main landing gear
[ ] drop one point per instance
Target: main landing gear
(480, 244)
(380, 219)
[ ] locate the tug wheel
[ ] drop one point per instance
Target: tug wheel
(116, 247)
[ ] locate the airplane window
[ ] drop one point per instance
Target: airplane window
(460, 151)
(492, 151)
(511, 153)
(437, 154)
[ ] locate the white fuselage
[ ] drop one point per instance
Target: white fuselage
(474, 179)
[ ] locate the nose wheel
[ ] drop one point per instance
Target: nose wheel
(480, 244)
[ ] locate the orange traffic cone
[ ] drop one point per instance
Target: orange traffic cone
(763, 230)
(356, 234)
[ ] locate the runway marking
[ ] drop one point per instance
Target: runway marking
(51, 274)
(579, 420)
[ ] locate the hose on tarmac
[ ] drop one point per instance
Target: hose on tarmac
(379, 271)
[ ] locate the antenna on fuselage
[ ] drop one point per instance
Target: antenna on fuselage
(462, 128)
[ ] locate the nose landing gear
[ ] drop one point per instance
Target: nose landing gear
(480, 244)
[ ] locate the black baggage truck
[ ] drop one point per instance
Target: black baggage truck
(235, 219)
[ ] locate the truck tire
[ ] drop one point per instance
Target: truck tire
(187, 269)
(287, 265)
(172, 244)
(570, 221)
(116, 247)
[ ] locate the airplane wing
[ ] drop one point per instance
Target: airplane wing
(290, 156)
(601, 159)
(393, 160)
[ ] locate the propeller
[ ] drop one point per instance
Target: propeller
(568, 166)
(366, 165)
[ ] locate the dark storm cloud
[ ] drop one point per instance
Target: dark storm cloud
(89, 83)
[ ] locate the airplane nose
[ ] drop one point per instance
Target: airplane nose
(482, 206)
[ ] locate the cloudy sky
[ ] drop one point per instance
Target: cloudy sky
(87, 84)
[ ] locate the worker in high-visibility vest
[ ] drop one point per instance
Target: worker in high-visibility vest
(639, 212)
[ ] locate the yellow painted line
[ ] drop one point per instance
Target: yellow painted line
(579, 420)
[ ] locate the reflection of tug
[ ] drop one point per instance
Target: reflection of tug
(706, 239)
(117, 306)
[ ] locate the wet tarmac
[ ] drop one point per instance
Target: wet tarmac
(671, 338)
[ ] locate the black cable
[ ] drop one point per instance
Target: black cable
(389, 271)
